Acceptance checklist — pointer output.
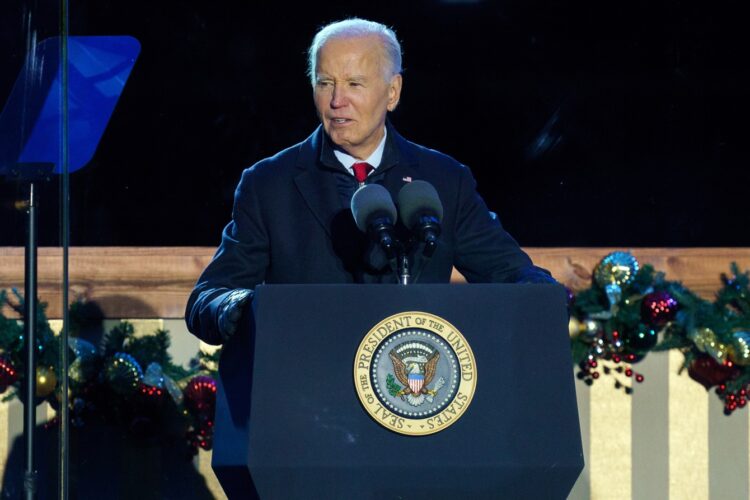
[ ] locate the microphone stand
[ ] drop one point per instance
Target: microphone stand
(30, 174)
(404, 278)
(30, 303)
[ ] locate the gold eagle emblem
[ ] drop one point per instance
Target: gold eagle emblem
(402, 370)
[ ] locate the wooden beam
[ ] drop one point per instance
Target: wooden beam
(154, 282)
(125, 282)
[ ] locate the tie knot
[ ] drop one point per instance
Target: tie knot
(361, 170)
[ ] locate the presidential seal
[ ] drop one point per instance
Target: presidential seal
(415, 373)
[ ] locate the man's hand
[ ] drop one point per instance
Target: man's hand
(231, 311)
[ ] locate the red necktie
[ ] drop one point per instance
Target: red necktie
(361, 169)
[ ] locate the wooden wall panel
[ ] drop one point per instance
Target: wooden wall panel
(126, 282)
(154, 282)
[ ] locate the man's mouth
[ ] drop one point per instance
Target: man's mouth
(340, 121)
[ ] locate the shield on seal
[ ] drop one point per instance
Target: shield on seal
(416, 381)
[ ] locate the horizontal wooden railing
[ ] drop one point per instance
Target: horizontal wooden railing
(154, 282)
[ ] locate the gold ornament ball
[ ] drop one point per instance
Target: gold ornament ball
(702, 338)
(705, 340)
(617, 268)
(574, 327)
(46, 381)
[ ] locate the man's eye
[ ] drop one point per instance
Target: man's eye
(324, 84)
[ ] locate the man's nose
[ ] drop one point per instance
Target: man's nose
(339, 97)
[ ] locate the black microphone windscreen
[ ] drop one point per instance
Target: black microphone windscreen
(418, 198)
(370, 200)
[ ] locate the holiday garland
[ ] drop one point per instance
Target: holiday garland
(163, 403)
(627, 312)
(631, 310)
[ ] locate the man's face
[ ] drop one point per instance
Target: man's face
(351, 93)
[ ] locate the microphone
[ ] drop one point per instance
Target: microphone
(421, 211)
(375, 214)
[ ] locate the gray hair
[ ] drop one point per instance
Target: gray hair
(356, 27)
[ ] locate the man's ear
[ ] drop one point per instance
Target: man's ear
(394, 92)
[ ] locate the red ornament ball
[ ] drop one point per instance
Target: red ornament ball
(707, 371)
(200, 394)
(658, 308)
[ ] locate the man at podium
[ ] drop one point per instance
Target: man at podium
(291, 219)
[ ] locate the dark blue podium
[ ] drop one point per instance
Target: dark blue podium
(289, 423)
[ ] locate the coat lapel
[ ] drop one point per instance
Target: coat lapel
(400, 160)
(316, 185)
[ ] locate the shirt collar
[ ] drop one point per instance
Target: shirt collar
(374, 159)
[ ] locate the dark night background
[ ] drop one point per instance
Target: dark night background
(586, 123)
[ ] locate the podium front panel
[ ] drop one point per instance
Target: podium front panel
(303, 432)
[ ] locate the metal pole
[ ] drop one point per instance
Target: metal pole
(29, 424)
(64, 438)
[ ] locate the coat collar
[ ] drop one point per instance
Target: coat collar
(316, 161)
(317, 151)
